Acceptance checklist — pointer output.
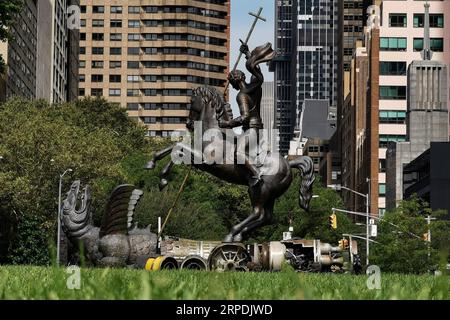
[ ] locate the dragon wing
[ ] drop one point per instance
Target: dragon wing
(119, 211)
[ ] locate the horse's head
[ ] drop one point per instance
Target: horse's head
(207, 104)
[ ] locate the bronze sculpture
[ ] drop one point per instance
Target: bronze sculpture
(249, 102)
(117, 243)
(210, 110)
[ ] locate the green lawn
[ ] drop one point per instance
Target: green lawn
(50, 283)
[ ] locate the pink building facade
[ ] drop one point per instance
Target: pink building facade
(401, 42)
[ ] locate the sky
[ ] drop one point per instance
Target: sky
(241, 22)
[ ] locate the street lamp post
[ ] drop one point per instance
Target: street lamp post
(367, 197)
(58, 241)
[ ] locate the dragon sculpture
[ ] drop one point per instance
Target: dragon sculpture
(117, 242)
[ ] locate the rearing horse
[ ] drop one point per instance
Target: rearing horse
(207, 107)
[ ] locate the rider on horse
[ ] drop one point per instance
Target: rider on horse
(249, 102)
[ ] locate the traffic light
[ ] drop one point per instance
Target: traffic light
(343, 244)
(333, 221)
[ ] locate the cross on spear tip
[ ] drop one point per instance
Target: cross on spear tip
(257, 17)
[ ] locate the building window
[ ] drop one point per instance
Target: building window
(82, 36)
(115, 64)
(134, 9)
(150, 92)
(396, 117)
(133, 78)
(393, 44)
(114, 92)
(436, 20)
(133, 51)
(151, 50)
(81, 78)
(115, 78)
(133, 24)
(98, 9)
(96, 64)
(98, 23)
(382, 165)
(116, 23)
(148, 120)
(133, 64)
(393, 68)
(115, 51)
(381, 212)
(151, 36)
(151, 23)
(82, 50)
(81, 92)
(386, 138)
(151, 9)
(83, 23)
(115, 37)
(116, 9)
(82, 64)
(83, 9)
(134, 36)
(98, 37)
(96, 78)
(150, 78)
(436, 44)
(133, 92)
(96, 92)
(397, 20)
(132, 106)
(392, 92)
(382, 189)
(97, 50)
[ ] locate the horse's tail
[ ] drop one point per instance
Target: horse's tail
(306, 167)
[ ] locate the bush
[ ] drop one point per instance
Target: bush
(31, 242)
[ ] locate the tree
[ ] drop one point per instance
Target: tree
(90, 136)
(309, 225)
(8, 12)
(402, 248)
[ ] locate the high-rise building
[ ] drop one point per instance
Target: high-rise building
(359, 125)
(401, 43)
(353, 29)
(149, 55)
(375, 113)
(307, 36)
(64, 51)
(268, 111)
(20, 54)
(40, 58)
(426, 119)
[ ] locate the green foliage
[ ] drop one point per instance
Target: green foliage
(401, 248)
(29, 246)
(90, 136)
(105, 148)
(8, 12)
(51, 283)
(310, 225)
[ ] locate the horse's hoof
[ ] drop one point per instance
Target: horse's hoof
(162, 184)
(237, 238)
(228, 239)
(150, 165)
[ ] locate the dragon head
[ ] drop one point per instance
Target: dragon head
(75, 211)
